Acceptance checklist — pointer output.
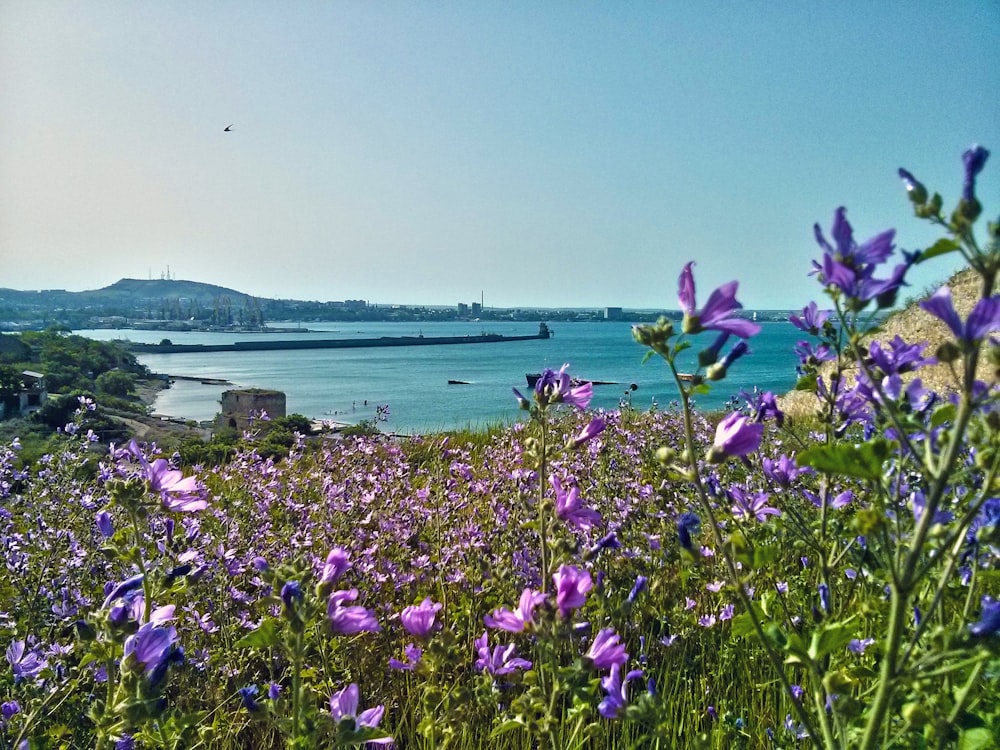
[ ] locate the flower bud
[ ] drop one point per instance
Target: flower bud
(948, 352)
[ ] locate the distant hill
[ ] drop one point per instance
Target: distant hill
(168, 288)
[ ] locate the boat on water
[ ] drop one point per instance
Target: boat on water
(533, 377)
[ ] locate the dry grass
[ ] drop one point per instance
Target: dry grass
(914, 324)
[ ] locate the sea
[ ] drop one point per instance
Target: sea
(346, 385)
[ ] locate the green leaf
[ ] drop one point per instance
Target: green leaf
(806, 382)
(510, 725)
(979, 738)
(830, 637)
(267, 635)
(944, 414)
(942, 247)
(862, 461)
(741, 626)
(764, 555)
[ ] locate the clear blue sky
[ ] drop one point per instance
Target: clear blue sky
(547, 153)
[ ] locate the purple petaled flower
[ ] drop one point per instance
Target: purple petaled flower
(783, 471)
(128, 585)
(104, 524)
(983, 320)
(291, 592)
(850, 268)
(178, 493)
(149, 648)
(500, 660)
(687, 524)
(736, 435)
(572, 585)
(615, 689)
(8, 709)
(350, 620)
(594, 428)
(824, 597)
(418, 620)
(974, 159)
(344, 707)
(558, 387)
(914, 188)
(521, 618)
(338, 562)
(989, 621)
(811, 319)
(606, 650)
(570, 508)
(24, 662)
(859, 645)
(247, 697)
(716, 315)
(413, 654)
(763, 406)
(637, 588)
(751, 504)
(900, 357)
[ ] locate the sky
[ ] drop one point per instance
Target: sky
(548, 154)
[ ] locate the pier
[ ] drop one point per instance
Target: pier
(382, 341)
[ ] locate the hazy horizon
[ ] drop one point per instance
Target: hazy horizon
(426, 154)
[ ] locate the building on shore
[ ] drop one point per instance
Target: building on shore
(241, 408)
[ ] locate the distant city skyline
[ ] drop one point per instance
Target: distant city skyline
(522, 154)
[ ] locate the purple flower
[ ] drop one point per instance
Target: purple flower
(637, 588)
(989, 621)
(900, 357)
(24, 662)
(811, 319)
(8, 709)
(570, 508)
(344, 706)
(572, 585)
(615, 689)
(178, 493)
(984, 318)
(859, 645)
(850, 268)
(150, 647)
(687, 524)
(735, 436)
(557, 387)
(338, 561)
(783, 471)
(291, 592)
(500, 660)
(125, 587)
(594, 428)
(606, 650)
(104, 524)
(413, 654)
(349, 620)
(716, 314)
(747, 504)
(521, 618)
(824, 597)
(418, 620)
(914, 188)
(247, 698)
(974, 159)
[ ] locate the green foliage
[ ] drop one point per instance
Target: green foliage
(115, 383)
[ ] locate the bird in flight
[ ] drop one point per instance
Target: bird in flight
(227, 129)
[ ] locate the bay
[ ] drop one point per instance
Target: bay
(345, 385)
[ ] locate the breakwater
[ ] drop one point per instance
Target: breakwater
(168, 347)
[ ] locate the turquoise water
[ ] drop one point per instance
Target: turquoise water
(413, 381)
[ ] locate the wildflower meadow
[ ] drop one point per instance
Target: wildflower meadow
(580, 579)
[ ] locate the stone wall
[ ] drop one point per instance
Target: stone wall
(241, 407)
